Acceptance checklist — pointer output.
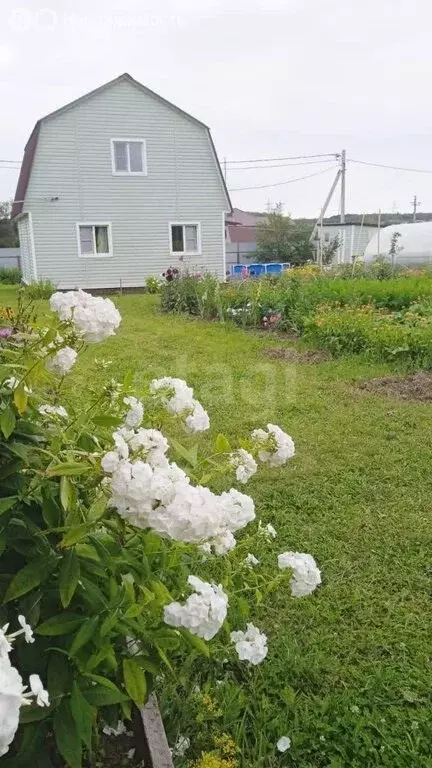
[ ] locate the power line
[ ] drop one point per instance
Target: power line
(288, 181)
(391, 167)
(280, 165)
(11, 161)
(277, 159)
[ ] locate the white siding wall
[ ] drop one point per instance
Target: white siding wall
(26, 246)
(73, 164)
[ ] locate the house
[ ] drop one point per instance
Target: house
(352, 240)
(116, 186)
(241, 236)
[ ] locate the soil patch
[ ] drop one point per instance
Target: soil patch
(292, 356)
(416, 386)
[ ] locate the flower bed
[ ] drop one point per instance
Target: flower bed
(117, 562)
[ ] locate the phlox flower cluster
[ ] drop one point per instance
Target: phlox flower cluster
(204, 611)
(244, 464)
(12, 692)
(250, 645)
(178, 399)
(53, 410)
(93, 317)
(62, 362)
(150, 492)
(135, 413)
(306, 574)
(275, 446)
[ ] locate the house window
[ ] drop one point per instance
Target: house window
(94, 240)
(129, 157)
(185, 238)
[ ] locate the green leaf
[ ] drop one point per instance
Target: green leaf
(67, 736)
(161, 592)
(107, 421)
(83, 714)
(68, 577)
(97, 509)
(189, 455)
(6, 503)
(34, 714)
(65, 492)
(51, 513)
(84, 634)
(75, 534)
(222, 445)
(8, 421)
(58, 675)
(29, 577)
(61, 624)
(20, 398)
(196, 642)
(68, 468)
(100, 696)
(135, 681)
(133, 611)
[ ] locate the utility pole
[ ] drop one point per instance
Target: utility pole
(415, 203)
(343, 175)
(224, 167)
(379, 234)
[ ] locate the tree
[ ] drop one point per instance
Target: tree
(8, 232)
(281, 239)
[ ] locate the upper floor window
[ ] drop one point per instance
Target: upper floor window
(129, 156)
(185, 238)
(94, 239)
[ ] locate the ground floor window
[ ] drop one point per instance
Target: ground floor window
(185, 238)
(94, 239)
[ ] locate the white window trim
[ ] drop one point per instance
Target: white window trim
(130, 173)
(94, 224)
(196, 224)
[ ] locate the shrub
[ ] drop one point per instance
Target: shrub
(41, 289)
(153, 284)
(100, 534)
(10, 275)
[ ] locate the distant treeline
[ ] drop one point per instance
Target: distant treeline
(372, 219)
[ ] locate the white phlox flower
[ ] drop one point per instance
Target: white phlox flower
(251, 560)
(25, 629)
(267, 530)
(62, 362)
(38, 691)
(250, 645)
(276, 447)
(244, 464)
(115, 730)
(135, 413)
(203, 613)
(12, 383)
(306, 574)
(10, 702)
(53, 410)
(93, 317)
(181, 746)
(178, 399)
(283, 744)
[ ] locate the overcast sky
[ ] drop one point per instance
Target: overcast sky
(272, 78)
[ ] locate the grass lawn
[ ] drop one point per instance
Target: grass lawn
(349, 671)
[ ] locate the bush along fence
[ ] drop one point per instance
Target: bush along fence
(386, 319)
(108, 543)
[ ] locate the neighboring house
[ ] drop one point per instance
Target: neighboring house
(241, 236)
(116, 186)
(352, 239)
(10, 258)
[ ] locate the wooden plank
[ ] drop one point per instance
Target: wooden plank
(153, 745)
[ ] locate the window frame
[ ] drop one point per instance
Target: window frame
(184, 224)
(94, 224)
(143, 154)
